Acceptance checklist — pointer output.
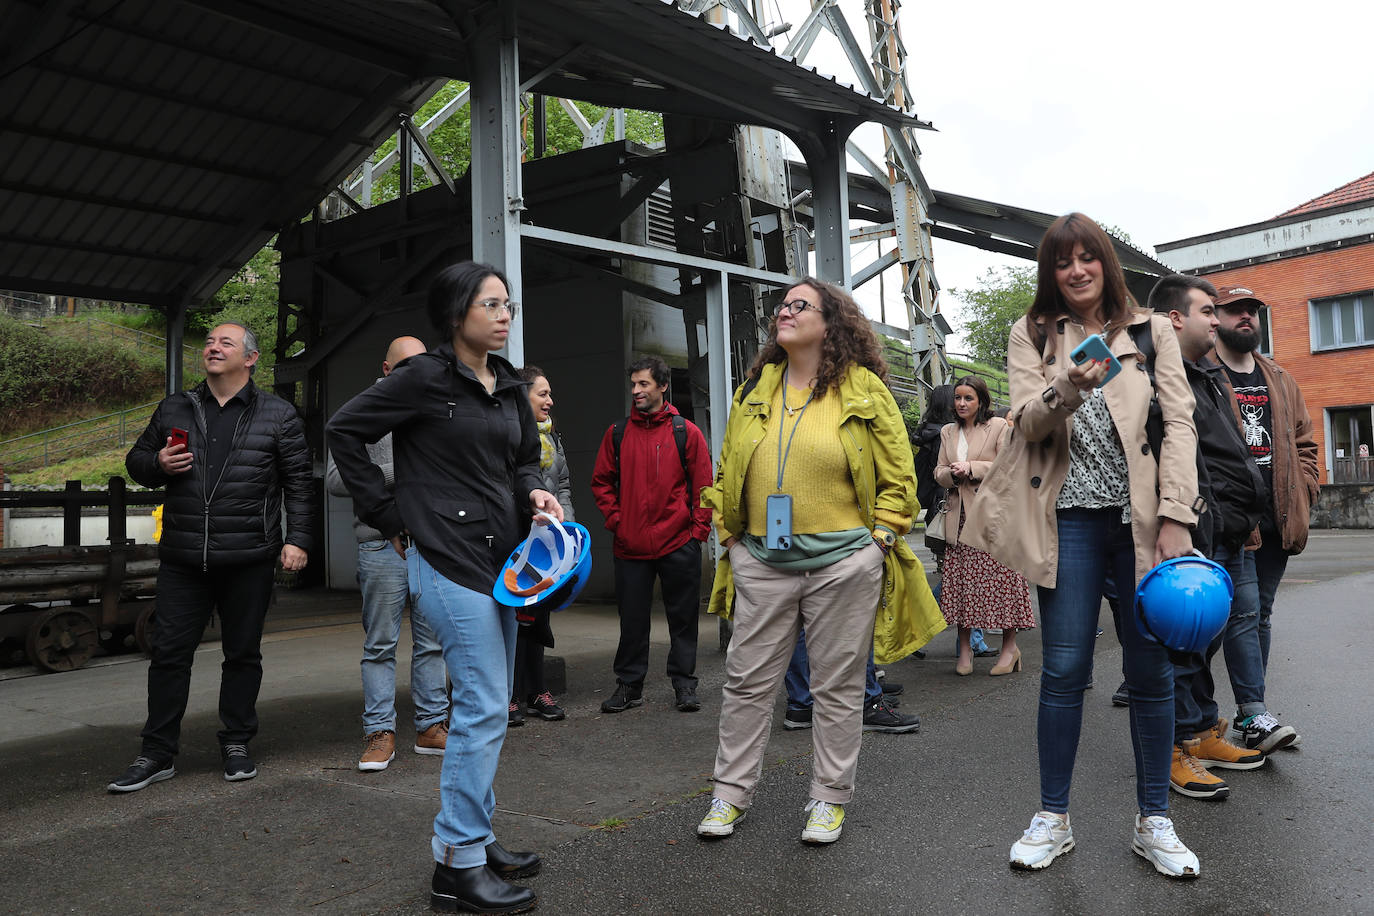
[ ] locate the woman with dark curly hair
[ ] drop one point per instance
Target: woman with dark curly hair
(813, 492)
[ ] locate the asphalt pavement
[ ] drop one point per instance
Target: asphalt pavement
(612, 800)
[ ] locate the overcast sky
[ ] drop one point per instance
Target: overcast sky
(1168, 119)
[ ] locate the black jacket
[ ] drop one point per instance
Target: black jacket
(1227, 476)
(235, 519)
(928, 491)
(465, 462)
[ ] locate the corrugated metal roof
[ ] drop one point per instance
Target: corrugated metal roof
(149, 148)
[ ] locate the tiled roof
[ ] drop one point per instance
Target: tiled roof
(1357, 190)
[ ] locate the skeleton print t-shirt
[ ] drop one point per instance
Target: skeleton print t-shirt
(1256, 418)
(1097, 477)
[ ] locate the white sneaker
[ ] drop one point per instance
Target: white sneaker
(1154, 839)
(1048, 837)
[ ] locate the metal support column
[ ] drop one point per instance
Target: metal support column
(718, 347)
(497, 198)
(176, 336)
(830, 203)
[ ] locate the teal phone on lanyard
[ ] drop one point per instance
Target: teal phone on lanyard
(779, 511)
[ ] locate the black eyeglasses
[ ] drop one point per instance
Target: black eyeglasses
(795, 307)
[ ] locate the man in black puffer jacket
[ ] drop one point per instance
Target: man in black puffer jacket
(221, 540)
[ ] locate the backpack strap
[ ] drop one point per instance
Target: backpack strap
(1143, 337)
(679, 438)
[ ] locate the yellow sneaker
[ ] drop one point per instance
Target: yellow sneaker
(1189, 777)
(1214, 750)
(720, 820)
(824, 822)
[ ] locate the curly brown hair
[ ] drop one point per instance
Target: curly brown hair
(849, 339)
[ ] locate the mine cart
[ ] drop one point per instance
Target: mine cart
(63, 602)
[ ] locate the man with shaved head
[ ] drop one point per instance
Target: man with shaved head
(382, 577)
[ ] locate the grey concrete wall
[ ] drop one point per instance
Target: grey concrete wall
(1345, 505)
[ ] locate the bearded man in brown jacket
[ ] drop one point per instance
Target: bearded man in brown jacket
(1276, 426)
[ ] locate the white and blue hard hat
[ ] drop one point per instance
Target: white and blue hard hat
(549, 570)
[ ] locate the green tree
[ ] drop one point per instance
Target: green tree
(250, 298)
(1002, 296)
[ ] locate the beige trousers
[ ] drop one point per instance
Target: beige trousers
(836, 605)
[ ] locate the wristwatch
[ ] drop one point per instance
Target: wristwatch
(885, 537)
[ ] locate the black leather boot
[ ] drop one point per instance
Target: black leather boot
(509, 864)
(476, 890)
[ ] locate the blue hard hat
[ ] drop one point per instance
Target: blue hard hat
(1184, 602)
(548, 570)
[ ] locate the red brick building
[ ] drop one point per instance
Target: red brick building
(1314, 267)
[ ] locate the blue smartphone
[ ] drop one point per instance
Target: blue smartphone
(1094, 347)
(779, 510)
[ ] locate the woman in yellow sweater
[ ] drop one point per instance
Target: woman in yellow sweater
(814, 489)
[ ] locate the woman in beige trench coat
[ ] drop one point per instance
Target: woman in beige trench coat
(1083, 498)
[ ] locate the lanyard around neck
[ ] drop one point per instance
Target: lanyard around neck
(782, 455)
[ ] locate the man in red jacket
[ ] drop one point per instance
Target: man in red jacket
(649, 473)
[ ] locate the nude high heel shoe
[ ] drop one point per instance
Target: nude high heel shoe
(963, 670)
(1015, 665)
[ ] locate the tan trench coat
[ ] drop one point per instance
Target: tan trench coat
(982, 449)
(1013, 516)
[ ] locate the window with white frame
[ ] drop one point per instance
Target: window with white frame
(1342, 321)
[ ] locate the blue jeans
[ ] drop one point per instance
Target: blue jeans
(798, 678)
(1092, 541)
(1271, 560)
(382, 577)
(1241, 639)
(478, 638)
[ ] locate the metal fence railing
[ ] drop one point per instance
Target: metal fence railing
(40, 449)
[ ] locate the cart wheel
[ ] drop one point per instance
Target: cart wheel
(143, 629)
(62, 639)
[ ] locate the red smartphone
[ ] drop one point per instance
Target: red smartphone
(178, 437)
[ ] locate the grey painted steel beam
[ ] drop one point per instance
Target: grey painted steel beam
(806, 33)
(436, 168)
(830, 206)
(497, 197)
(872, 270)
(173, 359)
(718, 347)
(453, 106)
(652, 255)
